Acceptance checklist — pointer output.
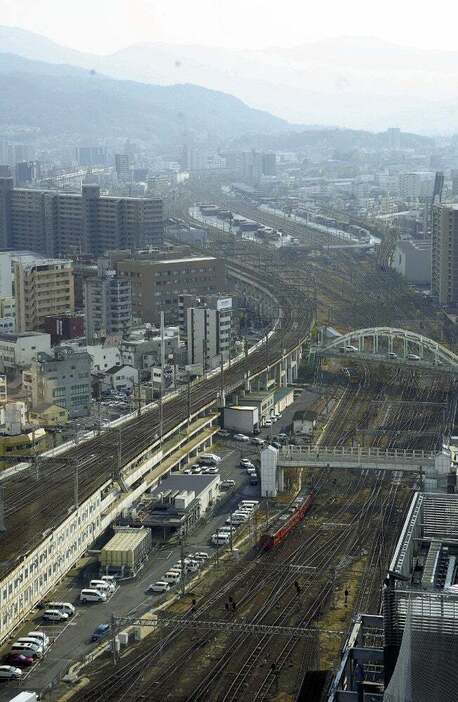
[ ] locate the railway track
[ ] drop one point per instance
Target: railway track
(37, 502)
(272, 595)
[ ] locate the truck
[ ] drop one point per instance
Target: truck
(25, 696)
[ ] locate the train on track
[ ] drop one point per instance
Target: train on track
(287, 520)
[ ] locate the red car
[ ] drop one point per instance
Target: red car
(19, 660)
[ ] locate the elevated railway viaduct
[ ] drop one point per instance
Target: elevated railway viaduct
(55, 508)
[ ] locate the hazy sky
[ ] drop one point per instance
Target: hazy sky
(102, 26)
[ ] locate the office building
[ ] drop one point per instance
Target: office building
(156, 284)
(444, 267)
(209, 332)
(122, 168)
(62, 378)
(107, 304)
(43, 287)
(61, 223)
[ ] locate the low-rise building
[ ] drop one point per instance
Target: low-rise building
(62, 378)
(283, 398)
(120, 378)
(19, 350)
(304, 422)
(104, 357)
(17, 435)
(178, 502)
(49, 415)
(263, 400)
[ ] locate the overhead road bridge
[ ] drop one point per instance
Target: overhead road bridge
(55, 508)
(391, 346)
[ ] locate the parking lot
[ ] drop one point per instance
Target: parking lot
(72, 641)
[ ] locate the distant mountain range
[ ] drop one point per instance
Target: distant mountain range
(59, 99)
(350, 82)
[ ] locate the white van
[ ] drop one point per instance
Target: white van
(66, 607)
(40, 636)
(102, 586)
(209, 457)
(172, 577)
(109, 579)
(91, 595)
(249, 503)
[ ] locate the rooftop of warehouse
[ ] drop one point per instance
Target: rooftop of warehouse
(196, 483)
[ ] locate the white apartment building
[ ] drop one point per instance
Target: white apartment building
(209, 331)
(19, 350)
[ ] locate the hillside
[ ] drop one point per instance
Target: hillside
(61, 99)
(358, 83)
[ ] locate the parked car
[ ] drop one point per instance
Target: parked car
(268, 423)
(159, 586)
(18, 660)
(223, 433)
(101, 631)
(275, 444)
(241, 437)
(227, 484)
(201, 555)
(55, 615)
(187, 471)
(10, 672)
(66, 607)
(244, 462)
(257, 441)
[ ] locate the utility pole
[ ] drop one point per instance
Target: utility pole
(161, 408)
(2, 509)
(182, 579)
(76, 487)
(189, 402)
(217, 547)
(230, 533)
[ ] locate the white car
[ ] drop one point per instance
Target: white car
(249, 465)
(10, 672)
(268, 423)
(241, 437)
(159, 586)
(55, 615)
(187, 471)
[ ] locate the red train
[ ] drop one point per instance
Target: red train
(287, 520)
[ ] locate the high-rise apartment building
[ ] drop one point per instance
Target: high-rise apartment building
(43, 287)
(157, 284)
(122, 167)
(209, 332)
(59, 223)
(107, 305)
(444, 268)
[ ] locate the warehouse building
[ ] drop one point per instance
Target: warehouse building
(177, 504)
